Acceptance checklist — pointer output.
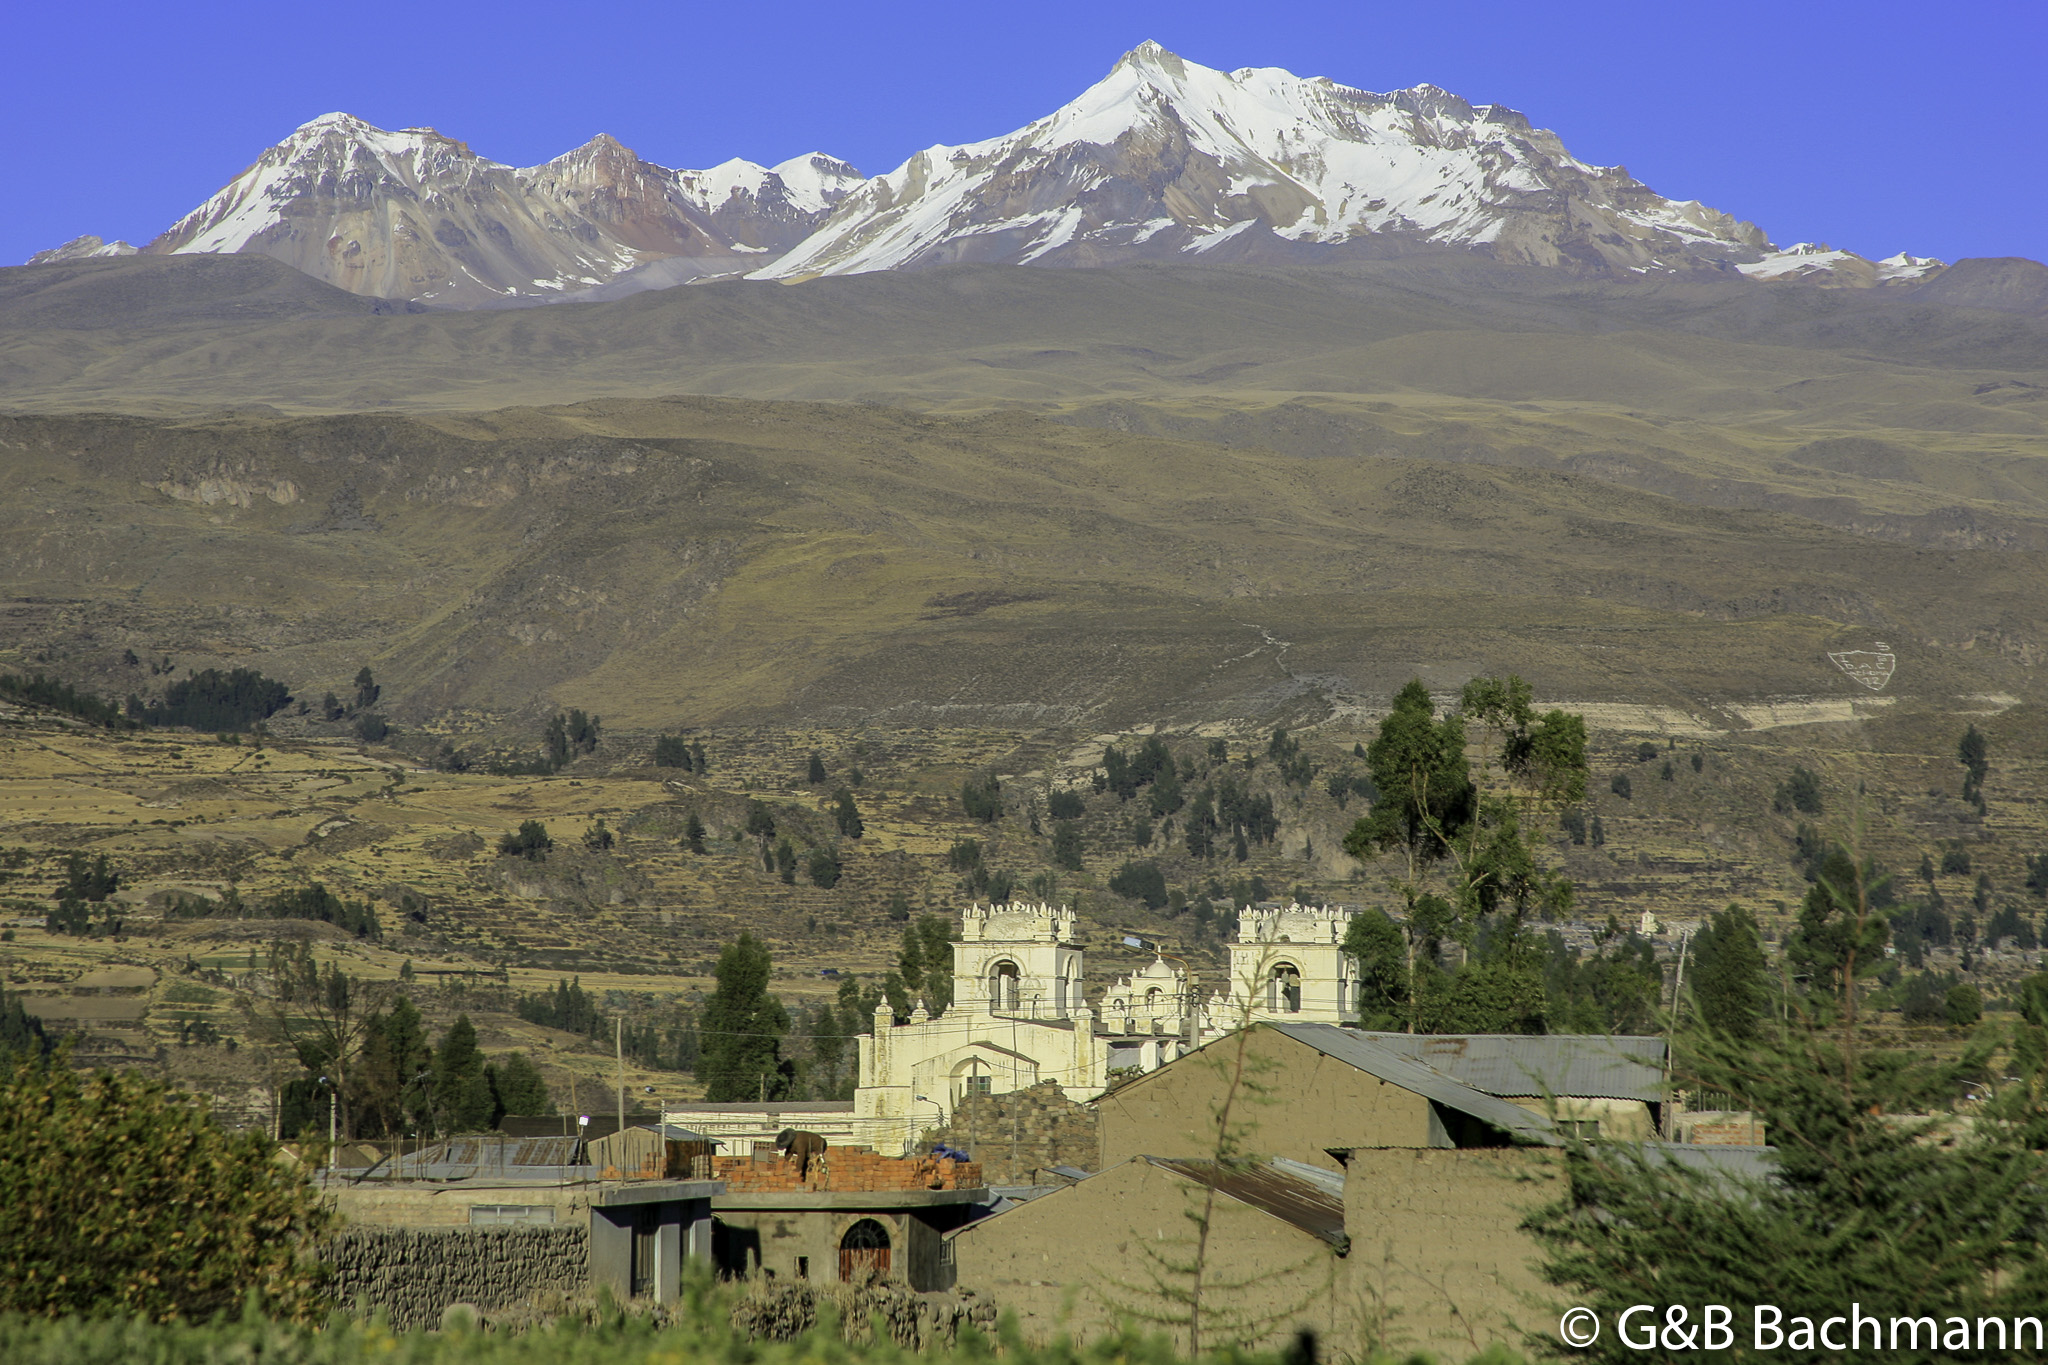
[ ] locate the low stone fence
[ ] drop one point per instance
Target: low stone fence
(416, 1274)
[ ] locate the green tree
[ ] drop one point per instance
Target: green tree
(1974, 753)
(816, 772)
(1066, 845)
(1799, 792)
(824, 867)
(396, 1076)
(846, 815)
(1839, 936)
(21, 1033)
(599, 838)
(555, 740)
(462, 1090)
(1910, 1218)
(531, 842)
(760, 821)
(367, 690)
(742, 1026)
(693, 834)
(1730, 976)
(121, 1197)
(925, 964)
(1426, 793)
(1140, 882)
(520, 1087)
(785, 861)
(671, 752)
(982, 798)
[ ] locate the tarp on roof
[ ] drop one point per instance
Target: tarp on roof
(1392, 1066)
(1526, 1066)
(1308, 1205)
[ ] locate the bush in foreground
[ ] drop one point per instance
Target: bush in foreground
(119, 1195)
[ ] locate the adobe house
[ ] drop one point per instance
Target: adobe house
(1082, 1259)
(1314, 1090)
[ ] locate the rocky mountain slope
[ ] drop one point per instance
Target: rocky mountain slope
(416, 215)
(1163, 159)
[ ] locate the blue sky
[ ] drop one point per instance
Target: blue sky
(1874, 126)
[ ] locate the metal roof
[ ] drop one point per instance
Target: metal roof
(1308, 1205)
(1392, 1066)
(467, 1158)
(1532, 1065)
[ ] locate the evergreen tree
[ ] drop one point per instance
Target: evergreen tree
(462, 1092)
(367, 690)
(816, 772)
(1730, 978)
(1066, 846)
(693, 834)
(925, 964)
(742, 1025)
(846, 814)
(1974, 753)
(671, 752)
(982, 798)
(824, 867)
(520, 1087)
(1426, 793)
(555, 739)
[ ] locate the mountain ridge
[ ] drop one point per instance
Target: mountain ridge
(1162, 159)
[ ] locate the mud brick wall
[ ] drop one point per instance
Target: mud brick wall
(846, 1168)
(1040, 1125)
(416, 1274)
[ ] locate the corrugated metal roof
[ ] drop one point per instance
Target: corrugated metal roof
(1308, 1205)
(1362, 1051)
(466, 1158)
(1522, 1065)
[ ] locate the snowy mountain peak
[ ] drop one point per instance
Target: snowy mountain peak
(1164, 157)
(413, 213)
(81, 249)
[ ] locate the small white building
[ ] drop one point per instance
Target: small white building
(1019, 1017)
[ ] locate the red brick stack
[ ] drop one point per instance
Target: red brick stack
(846, 1168)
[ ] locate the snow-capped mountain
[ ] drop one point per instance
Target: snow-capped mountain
(414, 214)
(82, 249)
(1166, 158)
(1162, 159)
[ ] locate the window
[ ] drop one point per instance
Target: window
(495, 1215)
(980, 1084)
(1002, 986)
(1283, 992)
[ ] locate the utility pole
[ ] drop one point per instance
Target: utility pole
(619, 1049)
(1670, 1035)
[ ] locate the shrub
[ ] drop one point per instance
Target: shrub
(1800, 792)
(1066, 805)
(1622, 787)
(671, 752)
(531, 842)
(121, 1197)
(1646, 751)
(1955, 862)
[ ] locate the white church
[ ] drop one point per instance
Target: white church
(1020, 1016)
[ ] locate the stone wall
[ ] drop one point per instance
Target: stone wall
(416, 1274)
(1013, 1137)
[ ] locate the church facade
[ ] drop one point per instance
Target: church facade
(1020, 1016)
